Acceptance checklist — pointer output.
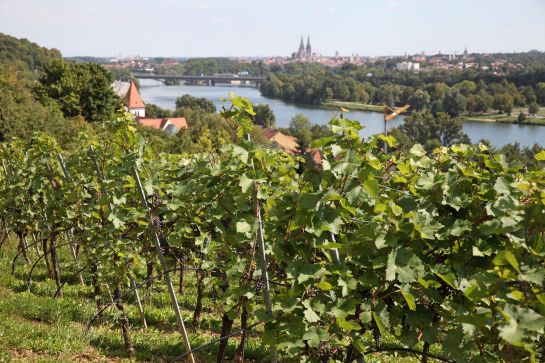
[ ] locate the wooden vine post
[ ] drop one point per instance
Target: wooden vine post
(68, 233)
(164, 266)
(263, 266)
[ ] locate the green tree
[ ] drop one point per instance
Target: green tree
(521, 117)
(207, 132)
(476, 103)
(21, 114)
(419, 100)
(533, 108)
(528, 93)
(152, 110)
(80, 89)
(430, 131)
(264, 116)
(465, 87)
(454, 103)
(540, 93)
(27, 55)
(195, 103)
(301, 128)
(503, 102)
(318, 131)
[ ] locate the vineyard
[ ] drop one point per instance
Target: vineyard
(425, 257)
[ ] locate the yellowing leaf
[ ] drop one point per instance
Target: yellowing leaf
(540, 155)
(379, 323)
(409, 298)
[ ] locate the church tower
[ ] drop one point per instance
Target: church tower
(301, 51)
(309, 48)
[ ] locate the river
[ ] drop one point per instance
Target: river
(499, 134)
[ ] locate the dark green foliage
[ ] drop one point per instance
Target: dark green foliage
(21, 114)
(195, 103)
(533, 108)
(430, 130)
(419, 100)
(319, 131)
(264, 116)
(155, 111)
(301, 128)
(476, 103)
(207, 132)
(540, 93)
(24, 52)
(81, 89)
(454, 103)
(503, 102)
(305, 131)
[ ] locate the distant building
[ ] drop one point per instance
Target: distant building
(303, 53)
(129, 92)
(408, 66)
(287, 143)
(137, 107)
(170, 125)
(135, 103)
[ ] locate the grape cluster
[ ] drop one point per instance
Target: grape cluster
(155, 201)
(158, 224)
(215, 272)
(259, 286)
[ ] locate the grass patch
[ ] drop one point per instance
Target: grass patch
(354, 106)
(35, 327)
(503, 118)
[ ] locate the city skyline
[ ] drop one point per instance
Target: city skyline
(245, 29)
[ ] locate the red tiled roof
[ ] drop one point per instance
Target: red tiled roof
(155, 123)
(268, 132)
(285, 142)
(179, 122)
(161, 123)
(133, 97)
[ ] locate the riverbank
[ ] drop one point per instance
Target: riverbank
(539, 120)
(502, 118)
(353, 106)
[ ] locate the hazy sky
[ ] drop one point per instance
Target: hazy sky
(262, 28)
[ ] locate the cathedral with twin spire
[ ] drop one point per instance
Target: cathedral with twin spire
(304, 53)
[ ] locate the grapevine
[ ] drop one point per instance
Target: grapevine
(443, 252)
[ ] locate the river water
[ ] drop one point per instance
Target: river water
(499, 134)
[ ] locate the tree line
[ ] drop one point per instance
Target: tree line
(453, 92)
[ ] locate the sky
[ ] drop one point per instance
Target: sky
(201, 28)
